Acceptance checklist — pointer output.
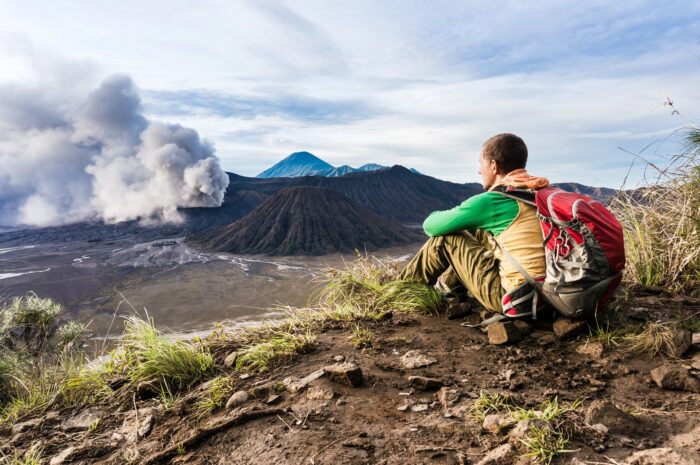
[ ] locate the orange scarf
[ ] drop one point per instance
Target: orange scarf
(521, 178)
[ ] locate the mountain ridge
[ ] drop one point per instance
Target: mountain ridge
(306, 220)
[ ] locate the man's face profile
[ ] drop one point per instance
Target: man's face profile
(487, 170)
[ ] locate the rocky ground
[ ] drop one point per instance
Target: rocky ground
(411, 396)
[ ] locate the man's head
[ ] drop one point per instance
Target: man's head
(500, 155)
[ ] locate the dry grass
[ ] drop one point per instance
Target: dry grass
(651, 340)
(662, 224)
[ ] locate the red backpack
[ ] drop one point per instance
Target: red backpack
(584, 250)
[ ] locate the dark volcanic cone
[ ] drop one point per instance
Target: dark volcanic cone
(306, 221)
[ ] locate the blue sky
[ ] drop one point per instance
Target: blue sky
(418, 83)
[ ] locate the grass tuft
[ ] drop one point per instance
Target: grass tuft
(549, 410)
(544, 444)
(146, 355)
(218, 391)
(361, 338)
(33, 456)
(662, 223)
(653, 339)
(260, 356)
(488, 403)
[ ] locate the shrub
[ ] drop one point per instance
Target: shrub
(29, 323)
(146, 355)
(662, 224)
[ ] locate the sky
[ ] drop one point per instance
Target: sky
(416, 83)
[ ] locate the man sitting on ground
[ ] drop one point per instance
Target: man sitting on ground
(462, 253)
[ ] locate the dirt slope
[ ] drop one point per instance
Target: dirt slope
(390, 419)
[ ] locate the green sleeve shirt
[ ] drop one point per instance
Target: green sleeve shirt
(489, 211)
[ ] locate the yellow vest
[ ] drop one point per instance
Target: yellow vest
(523, 241)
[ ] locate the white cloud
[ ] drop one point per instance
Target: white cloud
(576, 80)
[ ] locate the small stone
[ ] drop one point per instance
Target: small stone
(504, 333)
(338, 359)
(522, 428)
(423, 383)
(523, 326)
(593, 349)
(675, 377)
(682, 340)
(273, 399)
(448, 397)
(695, 339)
(606, 413)
(496, 422)
(458, 310)
(340, 402)
(565, 328)
(62, 457)
(419, 408)
(403, 408)
(237, 399)
(501, 455)
(83, 420)
(345, 373)
(664, 455)
(145, 426)
(295, 385)
(319, 393)
(600, 427)
(416, 359)
(230, 359)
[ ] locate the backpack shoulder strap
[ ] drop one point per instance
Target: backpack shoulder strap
(523, 195)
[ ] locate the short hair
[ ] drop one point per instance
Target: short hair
(507, 150)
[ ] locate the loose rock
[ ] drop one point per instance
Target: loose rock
(695, 339)
(237, 399)
(606, 413)
(676, 378)
(83, 420)
(230, 359)
(345, 373)
(146, 426)
(522, 428)
(664, 455)
(593, 349)
(295, 385)
(523, 326)
(62, 457)
(423, 383)
(416, 359)
(448, 397)
(682, 340)
(496, 422)
(504, 333)
(564, 328)
(501, 455)
(419, 408)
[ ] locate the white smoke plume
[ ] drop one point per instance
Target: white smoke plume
(98, 159)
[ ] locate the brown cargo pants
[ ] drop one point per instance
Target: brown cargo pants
(460, 259)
